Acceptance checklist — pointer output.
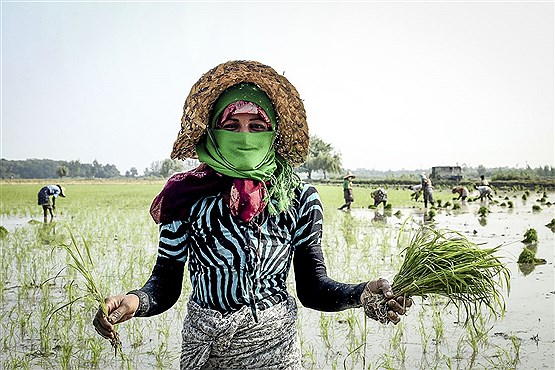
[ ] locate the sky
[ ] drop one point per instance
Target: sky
(390, 85)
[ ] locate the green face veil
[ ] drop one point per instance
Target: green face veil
(247, 155)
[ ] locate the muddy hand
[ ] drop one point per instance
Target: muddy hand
(393, 307)
(120, 308)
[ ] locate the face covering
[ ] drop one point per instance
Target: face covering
(244, 155)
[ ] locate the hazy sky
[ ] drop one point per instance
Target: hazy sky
(391, 85)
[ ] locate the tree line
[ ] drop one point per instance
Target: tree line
(323, 161)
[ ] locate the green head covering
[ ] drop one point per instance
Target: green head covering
(249, 155)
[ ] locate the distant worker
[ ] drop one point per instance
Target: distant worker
(44, 199)
(379, 196)
(485, 191)
(416, 191)
(462, 191)
(348, 191)
(428, 190)
(483, 181)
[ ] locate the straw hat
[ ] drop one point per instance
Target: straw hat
(292, 132)
(62, 191)
(349, 174)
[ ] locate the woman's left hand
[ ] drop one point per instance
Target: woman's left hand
(374, 293)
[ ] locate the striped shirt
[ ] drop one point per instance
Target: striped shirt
(233, 264)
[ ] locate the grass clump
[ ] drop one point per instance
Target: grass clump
(446, 263)
(3, 232)
(551, 225)
(530, 236)
(483, 211)
(528, 256)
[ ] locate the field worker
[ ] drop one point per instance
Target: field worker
(416, 191)
(239, 221)
(348, 191)
(485, 192)
(427, 190)
(483, 181)
(462, 191)
(379, 196)
(49, 206)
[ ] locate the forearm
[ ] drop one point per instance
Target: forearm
(162, 289)
(318, 291)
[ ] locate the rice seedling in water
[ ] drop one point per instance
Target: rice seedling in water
(536, 208)
(530, 236)
(83, 264)
(528, 256)
(446, 263)
(483, 211)
(551, 225)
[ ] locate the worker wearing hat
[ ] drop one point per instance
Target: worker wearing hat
(348, 191)
(239, 221)
(44, 199)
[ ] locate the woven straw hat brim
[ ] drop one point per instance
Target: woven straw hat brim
(292, 134)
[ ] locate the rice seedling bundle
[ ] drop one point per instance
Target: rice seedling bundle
(446, 263)
(82, 263)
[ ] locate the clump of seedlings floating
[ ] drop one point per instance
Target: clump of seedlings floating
(81, 261)
(551, 225)
(530, 236)
(446, 263)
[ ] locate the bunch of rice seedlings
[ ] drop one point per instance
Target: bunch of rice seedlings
(530, 236)
(483, 211)
(528, 256)
(551, 225)
(83, 264)
(446, 263)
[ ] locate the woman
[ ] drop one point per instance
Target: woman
(348, 191)
(462, 191)
(239, 220)
(380, 196)
(49, 206)
(427, 190)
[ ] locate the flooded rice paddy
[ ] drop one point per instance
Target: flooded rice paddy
(359, 245)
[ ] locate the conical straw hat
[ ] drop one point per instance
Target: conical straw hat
(292, 133)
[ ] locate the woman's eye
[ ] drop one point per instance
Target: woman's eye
(231, 126)
(255, 126)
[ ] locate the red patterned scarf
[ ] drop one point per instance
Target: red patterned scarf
(244, 197)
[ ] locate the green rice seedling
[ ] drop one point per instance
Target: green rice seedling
(483, 211)
(510, 204)
(388, 207)
(445, 263)
(536, 208)
(398, 214)
(3, 232)
(530, 236)
(528, 256)
(81, 262)
(551, 225)
(447, 204)
(456, 205)
(524, 196)
(430, 215)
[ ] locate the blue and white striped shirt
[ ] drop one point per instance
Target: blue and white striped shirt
(233, 264)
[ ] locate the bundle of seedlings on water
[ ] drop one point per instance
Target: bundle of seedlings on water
(551, 225)
(445, 263)
(483, 211)
(530, 236)
(529, 256)
(81, 261)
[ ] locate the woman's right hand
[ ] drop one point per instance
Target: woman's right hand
(120, 308)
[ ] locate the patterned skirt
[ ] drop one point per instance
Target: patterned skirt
(236, 341)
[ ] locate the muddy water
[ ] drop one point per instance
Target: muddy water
(530, 305)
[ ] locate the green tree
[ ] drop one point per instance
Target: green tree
(321, 157)
(61, 171)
